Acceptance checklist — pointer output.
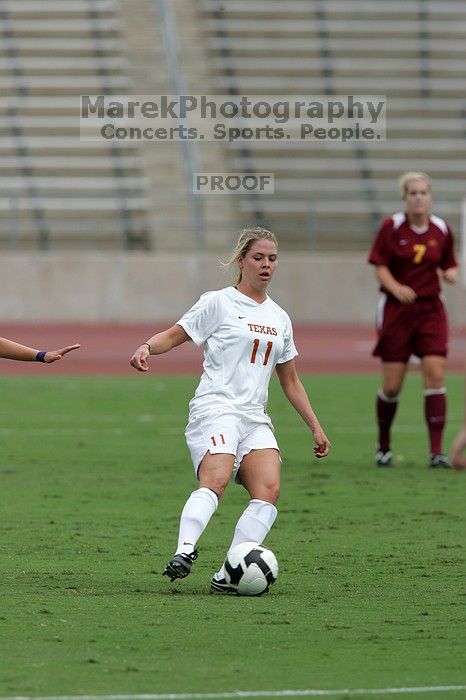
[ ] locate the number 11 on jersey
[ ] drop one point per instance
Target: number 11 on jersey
(255, 348)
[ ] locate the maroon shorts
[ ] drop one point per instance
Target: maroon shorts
(411, 329)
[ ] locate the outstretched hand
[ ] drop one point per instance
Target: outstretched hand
(54, 355)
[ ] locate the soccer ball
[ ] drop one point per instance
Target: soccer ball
(251, 568)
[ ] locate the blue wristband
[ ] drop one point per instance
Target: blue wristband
(40, 357)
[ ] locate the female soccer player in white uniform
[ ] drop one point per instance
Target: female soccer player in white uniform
(246, 335)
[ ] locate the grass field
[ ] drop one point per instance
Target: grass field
(94, 473)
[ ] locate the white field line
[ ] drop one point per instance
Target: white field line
(309, 693)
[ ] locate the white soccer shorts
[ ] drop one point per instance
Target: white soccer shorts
(228, 433)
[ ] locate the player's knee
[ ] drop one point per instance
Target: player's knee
(391, 389)
(218, 488)
(215, 484)
(268, 492)
(434, 379)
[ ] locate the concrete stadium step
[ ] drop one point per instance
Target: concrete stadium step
(41, 104)
(32, 8)
(105, 228)
(63, 121)
(52, 65)
(58, 46)
(349, 46)
(25, 230)
(333, 207)
(314, 166)
(409, 107)
(53, 144)
(278, 65)
(335, 8)
(26, 220)
(86, 206)
(77, 186)
(424, 106)
(109, 26)
(36, 126)
(347, 27)
(96, 237)
(57, 84)
(348, 187)
(46, 165)
(403, 145)
(26, 224)
(375, 85)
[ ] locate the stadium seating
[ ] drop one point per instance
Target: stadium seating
(55, 190)
(331, 195)
(60, 192)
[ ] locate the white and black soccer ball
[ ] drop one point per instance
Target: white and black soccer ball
(251, 568)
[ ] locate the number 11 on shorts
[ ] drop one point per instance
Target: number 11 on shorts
(218, 439)
(255, 348)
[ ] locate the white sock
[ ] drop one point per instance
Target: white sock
(254, 525)
(381, 394)
(198, 510)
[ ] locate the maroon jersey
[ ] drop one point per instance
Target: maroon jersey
(412, 257)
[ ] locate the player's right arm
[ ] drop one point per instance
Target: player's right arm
(157, 345)
(400, 291)
(380, 256)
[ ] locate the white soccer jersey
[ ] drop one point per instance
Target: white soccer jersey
(244, 340)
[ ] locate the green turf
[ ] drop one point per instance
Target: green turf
(94, 472)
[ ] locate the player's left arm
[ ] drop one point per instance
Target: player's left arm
(449, 265)
(11, 350)
(296, 395)
(450, 275)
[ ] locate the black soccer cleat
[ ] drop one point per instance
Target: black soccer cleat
(180, 566)
(383, 458)
(439, 461)
(221, 585)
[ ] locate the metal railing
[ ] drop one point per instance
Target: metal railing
(178, 87)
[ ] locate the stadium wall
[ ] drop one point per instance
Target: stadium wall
(147, 287)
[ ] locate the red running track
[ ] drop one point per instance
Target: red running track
(106, 349)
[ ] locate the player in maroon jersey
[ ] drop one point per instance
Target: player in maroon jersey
(412, 251)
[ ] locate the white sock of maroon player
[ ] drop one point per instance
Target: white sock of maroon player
(435, 409)
(253, 526)
(385, 409)
(198, 510)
